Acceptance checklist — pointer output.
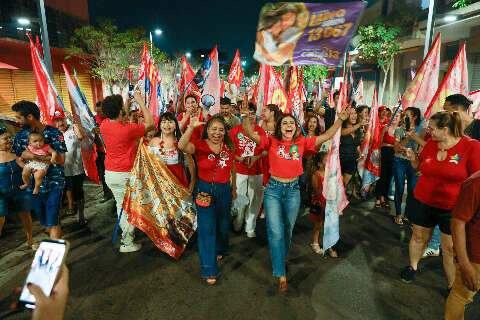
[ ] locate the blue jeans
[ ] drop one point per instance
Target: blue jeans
(402, 169)
(281, 203)
(435, 241)
(213, 225)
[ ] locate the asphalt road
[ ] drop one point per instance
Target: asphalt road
(362, 284)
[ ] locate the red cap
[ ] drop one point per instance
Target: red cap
(58, 115)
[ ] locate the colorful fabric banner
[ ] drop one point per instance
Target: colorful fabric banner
(455, 81)
(369, 163)
(235, 76)
(421, 89)
(48, 99)
(295, 94)
(260, 88)
(186, 78)
(80, 109)
(306, 33)
(212, 81)
(157, 203)
(333, 188)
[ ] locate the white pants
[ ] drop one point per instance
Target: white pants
(117, 182)
(252, 188)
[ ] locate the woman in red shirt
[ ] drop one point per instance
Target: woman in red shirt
(214, 190)
(282, 194)
(447, 160)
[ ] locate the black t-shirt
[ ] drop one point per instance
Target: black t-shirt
(473, 130)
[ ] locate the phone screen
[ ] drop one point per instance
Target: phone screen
(44, 270)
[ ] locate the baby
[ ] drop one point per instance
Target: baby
(37, 146)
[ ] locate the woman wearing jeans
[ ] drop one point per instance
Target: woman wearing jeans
(214, 191)
(282, 194)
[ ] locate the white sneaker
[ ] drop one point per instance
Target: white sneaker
(251, 234)
(431, 253)
(134, 246)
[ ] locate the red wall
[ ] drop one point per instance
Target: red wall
(76, 8)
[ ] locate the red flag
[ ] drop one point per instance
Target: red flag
(359, 97)
(455, 81)
(212, 83)
(275, 92)
(421, 89)
(38, 44)
(153, 101)
(295, 94)
(48, 99)
(186, 77)
(369, 167)
(235, 74)
(222, 88)
(144, 63)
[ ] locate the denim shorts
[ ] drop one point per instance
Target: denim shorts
(15, 201)
(47, 207)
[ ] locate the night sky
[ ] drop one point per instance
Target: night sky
(187, 24)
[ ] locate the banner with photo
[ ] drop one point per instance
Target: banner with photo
(306, 33)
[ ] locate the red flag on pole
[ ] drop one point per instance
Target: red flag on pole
(455, 81)
(359, 97)
(186, 78)
(235, 75)
(275, 92)
(295, 94)
(212, 83)
(48, 99)
(421, 89)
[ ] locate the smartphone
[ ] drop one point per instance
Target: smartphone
(407, 123)
(45, 268)
(131, 91)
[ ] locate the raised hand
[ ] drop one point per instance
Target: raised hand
(344, 114)
(195, 121)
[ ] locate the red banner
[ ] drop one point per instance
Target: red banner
(235, 75)
(295, 94)
(275, 92)
(455, 81)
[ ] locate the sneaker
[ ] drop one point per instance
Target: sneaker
(251, 234)
(408, 274)
(134, 246)
(429, 252)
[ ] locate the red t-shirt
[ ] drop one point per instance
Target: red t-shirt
(468, 209)
(212, 167)
(439, 183)
(99, 119)
(285, 157)
(246, 147)
(197, 132)
(388, 138)
(121, 142)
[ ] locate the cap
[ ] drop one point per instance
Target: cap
(58, 115)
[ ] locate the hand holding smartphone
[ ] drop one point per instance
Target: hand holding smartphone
(47, 264)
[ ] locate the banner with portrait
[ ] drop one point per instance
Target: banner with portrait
(306, 33)
(159, 205)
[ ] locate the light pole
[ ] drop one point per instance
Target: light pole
(188, 55)
(45, 42)
(158, 32)
(430, 26)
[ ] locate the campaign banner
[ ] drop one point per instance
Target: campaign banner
(306, 33)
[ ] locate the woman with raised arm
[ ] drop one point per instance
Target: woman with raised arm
(282, 194)
(214, 190)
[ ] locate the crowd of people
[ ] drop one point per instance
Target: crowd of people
(242, 165)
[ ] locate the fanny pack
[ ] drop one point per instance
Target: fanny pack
(203, 199)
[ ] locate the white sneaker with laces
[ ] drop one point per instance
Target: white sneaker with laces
(132, 247)
(251, 234)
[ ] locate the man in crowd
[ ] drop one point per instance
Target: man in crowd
(47, 203)
(121, 142)
(461, 104)
(326, 111)
(249, 176)
(74, 135)
(466, 242)
(227, 113)
(100, 162)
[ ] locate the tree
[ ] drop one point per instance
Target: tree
(109, 53)
(461, 4)
(312, 73)
(379, 44)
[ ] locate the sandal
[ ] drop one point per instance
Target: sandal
(211, 281)
(398, 220)
(282, 286)
(219, 258)
(332, 253)
(378, 204)
(316, 248)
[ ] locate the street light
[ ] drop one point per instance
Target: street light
(188, 55)
(244, 63)
(23, 21)
(450, 18)
(158, 32)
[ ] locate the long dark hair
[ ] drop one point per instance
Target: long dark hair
(317, 129)
(416, 113)
(226, 138)
(277, 114)
(170, 117)
(278, 127)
